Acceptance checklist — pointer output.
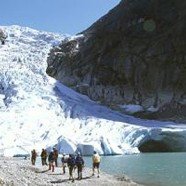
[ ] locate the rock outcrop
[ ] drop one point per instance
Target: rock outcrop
(133, 55)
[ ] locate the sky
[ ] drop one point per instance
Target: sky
(63, 16)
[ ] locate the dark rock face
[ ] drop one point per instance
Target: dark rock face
(133, 55)
(154, 146)
(168, 142)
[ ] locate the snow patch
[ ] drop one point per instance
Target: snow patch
(152, 109)
(132, 108)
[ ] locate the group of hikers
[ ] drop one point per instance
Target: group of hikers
(71, 161)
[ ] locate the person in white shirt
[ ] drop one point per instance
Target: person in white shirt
(96, 163)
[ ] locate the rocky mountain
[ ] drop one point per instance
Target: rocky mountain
(134, 55)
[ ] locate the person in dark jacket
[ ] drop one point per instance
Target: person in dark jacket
(64, 163)
(71, 165)
(43, 157)
(3, 37)
(55, 156)
(33, 156)
(80, 165)
(51, 160)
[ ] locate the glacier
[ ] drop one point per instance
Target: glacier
(37, 111)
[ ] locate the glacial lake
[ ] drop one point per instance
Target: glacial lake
(152, 169)
(149, 169)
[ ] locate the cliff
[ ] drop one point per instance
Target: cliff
(133, 55)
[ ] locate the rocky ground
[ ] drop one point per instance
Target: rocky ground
(18, 172)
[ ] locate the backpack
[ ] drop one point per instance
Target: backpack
(51, 157)
(79, 160)
(96, 158)
(71, 161)
(64, 160)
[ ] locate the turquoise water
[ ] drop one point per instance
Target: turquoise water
(152, 169)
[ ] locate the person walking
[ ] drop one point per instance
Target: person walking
(64, 162)
(80, 165)
(3, 36)
(33, 156)
(55, 156)
(51, 160)
(71, 165)
(43, 157)
(96, 163)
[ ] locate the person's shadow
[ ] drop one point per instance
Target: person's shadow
(38, 171)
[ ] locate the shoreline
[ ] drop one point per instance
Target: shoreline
(18, 172)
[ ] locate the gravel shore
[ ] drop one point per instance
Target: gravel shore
(18, 172)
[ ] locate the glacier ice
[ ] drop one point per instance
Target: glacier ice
(38, 112)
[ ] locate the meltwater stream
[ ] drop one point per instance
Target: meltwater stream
(152, 169)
